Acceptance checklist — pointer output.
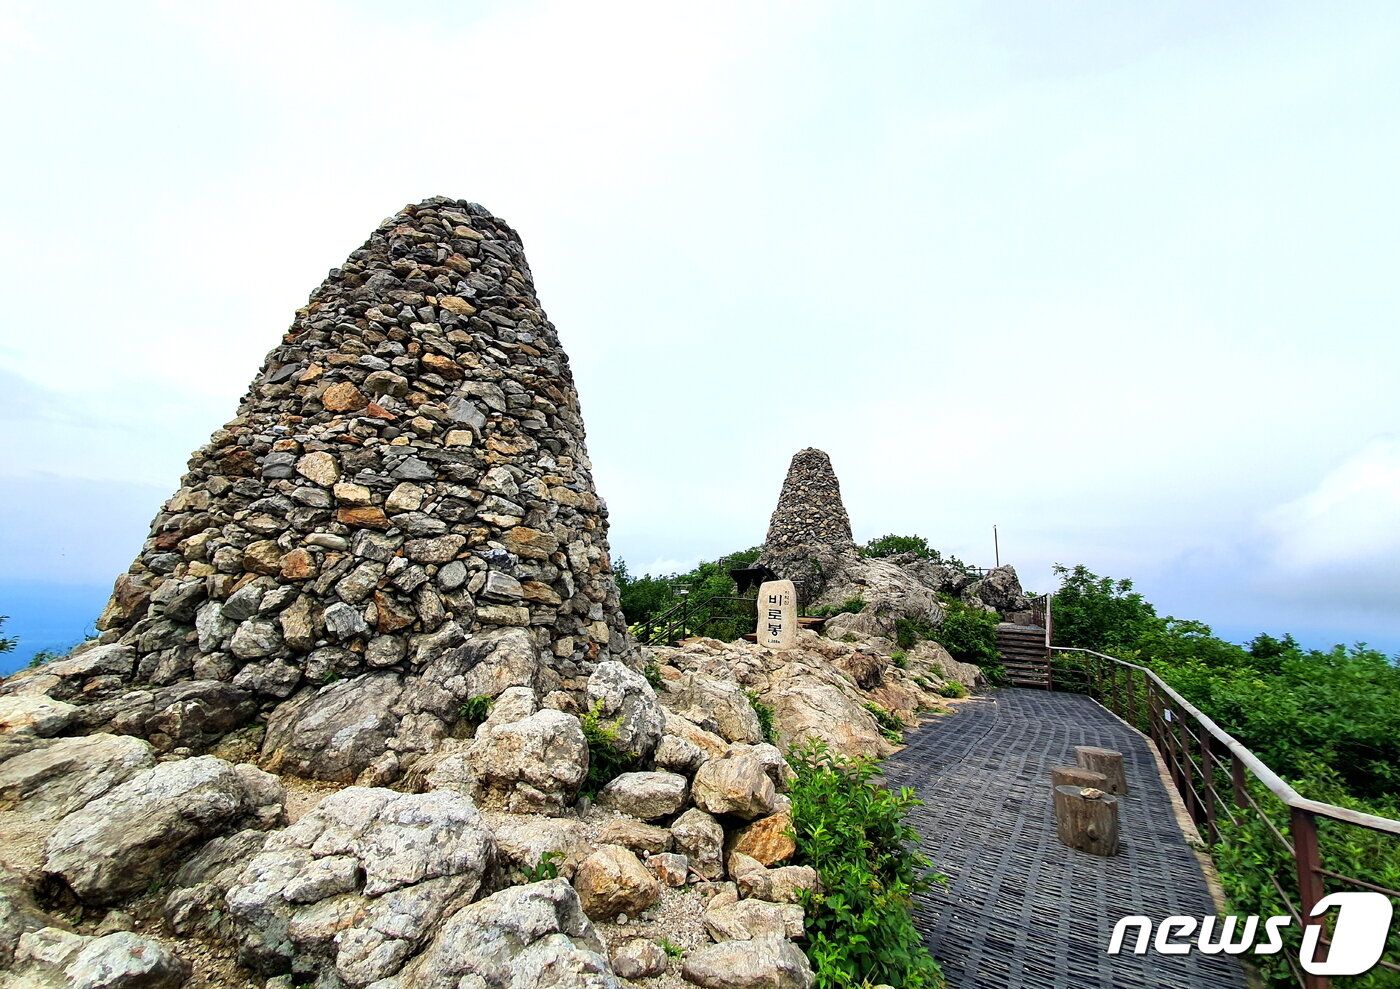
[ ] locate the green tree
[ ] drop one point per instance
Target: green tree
(1099, 613)
(6, 645)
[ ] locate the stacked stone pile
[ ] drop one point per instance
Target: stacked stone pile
(810, 512)
(809, 542)
(406, 477)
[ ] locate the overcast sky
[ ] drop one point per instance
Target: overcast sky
(1117, 278)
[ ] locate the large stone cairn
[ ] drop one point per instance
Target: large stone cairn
(809, 533)
(406, 475)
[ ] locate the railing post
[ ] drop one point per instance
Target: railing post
(1188, 793)
(1237, 781)
(1310, 890)
(1113, 688)
(1208, 782)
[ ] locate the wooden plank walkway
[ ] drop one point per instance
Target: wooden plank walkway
(1021, 910)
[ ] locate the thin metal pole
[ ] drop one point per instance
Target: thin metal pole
(996, 545)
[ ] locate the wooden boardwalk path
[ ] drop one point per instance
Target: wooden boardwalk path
(1021, 910)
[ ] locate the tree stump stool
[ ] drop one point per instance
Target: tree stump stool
(1087, 819)
(1075, 776)
(1105, 761)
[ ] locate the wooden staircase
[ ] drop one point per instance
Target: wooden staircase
(1024, 655)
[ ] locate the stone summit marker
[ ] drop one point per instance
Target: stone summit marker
(777, 614)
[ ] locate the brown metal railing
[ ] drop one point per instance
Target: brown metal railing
(1221, 783)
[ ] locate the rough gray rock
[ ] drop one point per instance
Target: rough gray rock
(622, 695)
(763, 963)
(498, 660)
(638, 959)
(700, 838)
(520, 938)
(737, 785)
(35, 714)
(646, 796)
(118, 843)
(612, 881)
(360, 883)
(19, 914)
(999, 590)
(63, 775)
(62, 960)
(746, 920)
(678, 755)
(335, 732)
(532, 766)
(720, 706)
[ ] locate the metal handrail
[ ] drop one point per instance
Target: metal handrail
(1267, 776)
(1175, 740)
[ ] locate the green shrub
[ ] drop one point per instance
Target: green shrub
(607, 759)
(860, 929)
(953, 689)
(765, 717)
(672, 949)
(851, 606)
(909, 632)
(652, 671)
(969, 634)
(894, 545)
(900, 658)
(890, 724)
(6, 645)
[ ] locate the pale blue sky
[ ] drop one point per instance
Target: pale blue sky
(1119, 279)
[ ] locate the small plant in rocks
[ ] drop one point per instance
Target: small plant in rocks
(607, 757)
(765, 717)
(889, 724)
(546, 868)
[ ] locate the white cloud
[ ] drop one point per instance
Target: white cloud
(1340, 542)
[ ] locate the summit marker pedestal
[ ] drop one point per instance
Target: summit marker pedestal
(777, 614)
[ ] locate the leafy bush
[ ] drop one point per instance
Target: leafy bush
(900, 659)
(647, 597)
(890, 724)
(953, 689)
(860, 929)
(607, 758)
(909, 632)
(895, 545)
(969, 634)
(652, 672)
(851, 606)
(765, 717)
(6, 645)
(1099, 613)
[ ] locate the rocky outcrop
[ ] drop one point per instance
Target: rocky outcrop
(53, 958)
(360, 884)
(519, 938)
(120, 842)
